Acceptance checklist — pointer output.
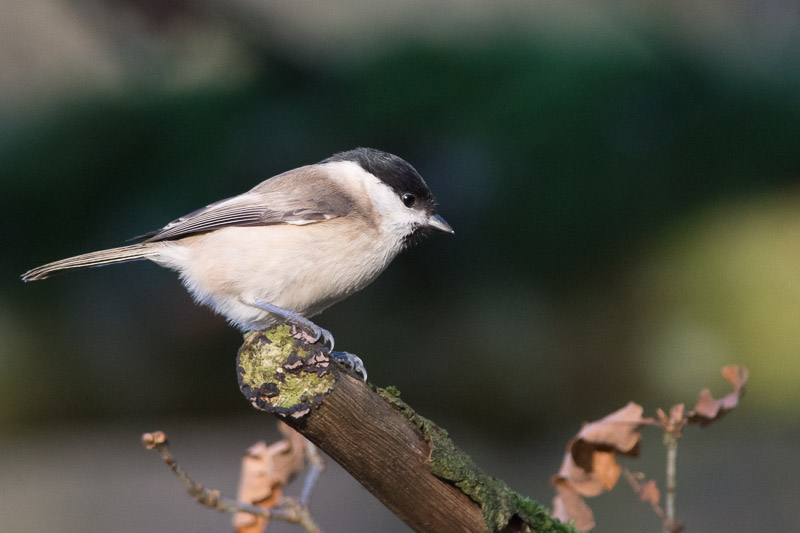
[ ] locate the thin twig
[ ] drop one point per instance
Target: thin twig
(206, 497)
(671, 443)
(672, 424)
(315, 467)
(290, 510)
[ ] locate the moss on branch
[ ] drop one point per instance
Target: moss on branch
(498, 502)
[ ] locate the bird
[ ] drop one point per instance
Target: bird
(291, 246)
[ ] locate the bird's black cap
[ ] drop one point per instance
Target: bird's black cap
(394, 171)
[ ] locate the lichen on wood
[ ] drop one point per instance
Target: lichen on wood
(282, 374)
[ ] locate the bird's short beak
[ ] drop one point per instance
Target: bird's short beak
(437, 222)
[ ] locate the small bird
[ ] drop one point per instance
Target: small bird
(291, 246)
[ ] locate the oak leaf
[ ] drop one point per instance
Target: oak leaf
(266, 470)
(708, 409)
(590, 466)
(569, 505)
(649, 493)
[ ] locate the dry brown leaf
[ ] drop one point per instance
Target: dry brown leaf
(590, 467)
(569, 505)
(649, 493)
(619, 430)
(602, 475)
(708, 409)
(266, 470)
(289, 464)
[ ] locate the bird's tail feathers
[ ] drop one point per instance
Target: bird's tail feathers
(92, 259)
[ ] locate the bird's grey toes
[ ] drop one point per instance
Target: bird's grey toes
(351, 360)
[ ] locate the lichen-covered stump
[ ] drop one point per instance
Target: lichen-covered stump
(405, 460)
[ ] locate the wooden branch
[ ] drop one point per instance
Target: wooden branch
(405, 460)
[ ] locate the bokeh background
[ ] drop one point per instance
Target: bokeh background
(624, 181)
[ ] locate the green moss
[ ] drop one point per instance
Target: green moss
(498, 502)
(393, 391)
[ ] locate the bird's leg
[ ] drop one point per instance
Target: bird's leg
(298, 320)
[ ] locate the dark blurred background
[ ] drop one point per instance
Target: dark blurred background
(623, 181)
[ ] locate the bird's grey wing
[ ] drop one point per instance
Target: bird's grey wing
(301, 196)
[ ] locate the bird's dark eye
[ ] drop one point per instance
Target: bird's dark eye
(409, 199)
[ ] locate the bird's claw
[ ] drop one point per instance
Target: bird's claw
(327, 337)
(312, 333)
(351, 360)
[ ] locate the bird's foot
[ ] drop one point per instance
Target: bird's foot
(351, 360)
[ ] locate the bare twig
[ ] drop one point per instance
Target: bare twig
(315, 467)
(290, 510)
(673, 424)
(671, 443)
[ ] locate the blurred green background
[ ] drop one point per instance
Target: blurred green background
(622, 179)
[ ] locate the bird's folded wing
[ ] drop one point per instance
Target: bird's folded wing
(301, 196)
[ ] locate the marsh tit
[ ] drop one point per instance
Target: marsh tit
(293, 245)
